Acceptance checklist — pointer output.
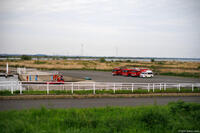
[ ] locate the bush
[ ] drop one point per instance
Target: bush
(152, 60)
(183, 114)
(64, 58)
(182, 107)
(26, 57)
(154, 117)
(128, 61)
(102, 59)
(5, 93)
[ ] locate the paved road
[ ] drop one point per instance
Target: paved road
(90, 102)
(99, 76)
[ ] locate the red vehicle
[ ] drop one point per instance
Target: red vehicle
(126, 72)
(134, 72)
(117, 71)
(146, 73)
(131, 72)
(57, 80)
(143, 69)
(141, 72)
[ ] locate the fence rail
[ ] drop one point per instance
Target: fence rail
(94, 86)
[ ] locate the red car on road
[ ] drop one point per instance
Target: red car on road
(117, 71)
(133, 72)
(126, 72)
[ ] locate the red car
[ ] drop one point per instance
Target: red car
(126, 72)
(117, 71)
(134, 72)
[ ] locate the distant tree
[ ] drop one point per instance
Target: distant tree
(26, 57)
(102, 59)
(64, 58)
(152, 60)
(55, 58)
(128, 61)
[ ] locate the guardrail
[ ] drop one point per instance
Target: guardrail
(94, 86)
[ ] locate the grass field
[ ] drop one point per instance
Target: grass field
(175, 68)
(171, 118)
(85, 92)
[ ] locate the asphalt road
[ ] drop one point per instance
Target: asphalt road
(100, 76)
(90, 102)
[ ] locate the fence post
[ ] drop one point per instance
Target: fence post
(114, 88)
(12, 88)
(179, 87)
(17, 85)
(78, 86)
(153, 87)
(72, 89)
(93, 88)
(192, 87)
(47, 87)
(165, 86)
(20, 87)
(160, 86)
(28, 87)
(148, 87)
(132, 86)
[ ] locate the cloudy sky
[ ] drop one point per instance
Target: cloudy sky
(136, 28)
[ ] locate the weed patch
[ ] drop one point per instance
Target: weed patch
(169, 118)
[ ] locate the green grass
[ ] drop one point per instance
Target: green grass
(5, 93)
(184, 74)
(39, 62)
(34, 92)
(175, 90)
(142, 119)
(110, 91)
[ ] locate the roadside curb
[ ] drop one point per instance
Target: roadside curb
(23, 97)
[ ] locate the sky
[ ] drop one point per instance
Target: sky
(134, 28)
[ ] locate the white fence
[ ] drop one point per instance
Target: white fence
(94, 86)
